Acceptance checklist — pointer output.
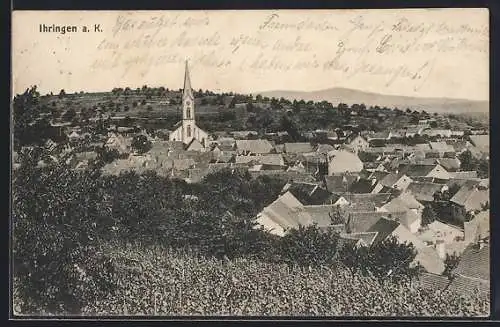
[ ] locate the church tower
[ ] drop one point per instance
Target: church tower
(188, 122)
(186, 130)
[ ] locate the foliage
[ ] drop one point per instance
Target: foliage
(428, 215)
(309, 246)
(450, 263)
(390, 258)
(469, 163)
(338, 215)
(162, 282)
(141, 144)
(57, 264)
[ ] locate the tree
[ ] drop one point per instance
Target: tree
(450, 263)
(62, 94)
(428, 215)
(141, 144)
(337, 216)
(57, 265)
(390, 258)
(309, 246)
(467, 161)
(25, 112)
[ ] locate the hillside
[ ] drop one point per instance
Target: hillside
(350, 96)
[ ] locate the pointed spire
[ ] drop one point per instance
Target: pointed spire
(187, 82)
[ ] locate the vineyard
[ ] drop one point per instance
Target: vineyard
(154, 281)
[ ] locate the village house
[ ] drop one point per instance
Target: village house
(425, 191)
(298, 147)
(342, 161)
(478, 228)
(441, 147)
(253, 147)
(358, 143)
(470, 198)
(431, 171)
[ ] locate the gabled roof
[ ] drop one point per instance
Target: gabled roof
(194, 145)
(482, 142)
(362, 221)
(338, 183)
(410, 201)
(479, 226)
(470, 197)
(450, 164)
(441, 146)
(378, 199)
(320, 214)
(463, 175)
(301, 147)
(362, 186)
(390, 179)
(383, 227)
(416, 170)
(475, 263)
(423, 191)
(378, 175)
(284, 212)
(324, 148)
(259, 146)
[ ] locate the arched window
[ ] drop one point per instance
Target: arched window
(188, 113)
(188, 131)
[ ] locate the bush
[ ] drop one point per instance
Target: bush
(57, 265)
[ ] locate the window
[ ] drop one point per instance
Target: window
(189, 131)
(188, 113)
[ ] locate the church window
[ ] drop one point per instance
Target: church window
(188, 113)
(189, 131)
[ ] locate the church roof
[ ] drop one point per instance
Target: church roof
(187, 83)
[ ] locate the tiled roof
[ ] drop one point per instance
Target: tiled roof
(441, 146)
(475, 263)
(464, 175)
(410, 201)
(378, 199)
(467, 286)
(482, 142)
(324, 148)
(254, 146)
(383, 227)
(298, 147)
(450, 164)
(433, 282)
(471, 198)
(338, 183)
(362, 186)
(416, 170)
(423, 191)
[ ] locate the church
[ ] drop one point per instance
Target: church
(193, 137)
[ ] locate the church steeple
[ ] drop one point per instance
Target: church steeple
(188, 131)
(187, 92)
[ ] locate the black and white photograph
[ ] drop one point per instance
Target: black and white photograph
(250, 163)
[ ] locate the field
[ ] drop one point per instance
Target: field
(154, 281)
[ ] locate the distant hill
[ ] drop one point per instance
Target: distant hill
(350, 96)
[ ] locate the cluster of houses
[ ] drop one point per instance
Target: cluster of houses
(382, 190)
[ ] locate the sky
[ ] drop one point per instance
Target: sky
(411, 52)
